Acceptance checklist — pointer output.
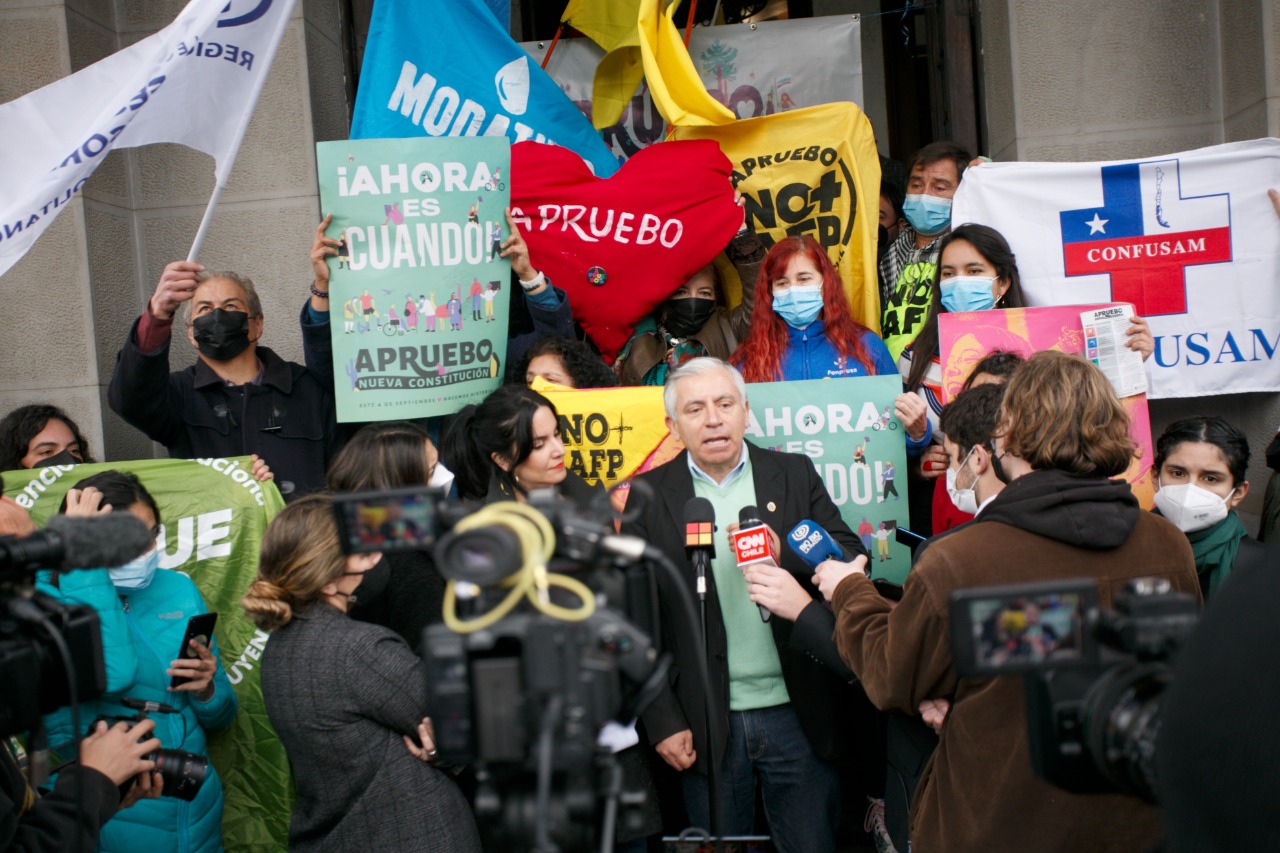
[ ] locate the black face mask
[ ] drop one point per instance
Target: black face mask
(684, 317)
(66, 457)
(373, 584)
(221, 335)
(996, 467)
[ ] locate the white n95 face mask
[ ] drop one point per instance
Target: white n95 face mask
(1190, 507)
(965, 500)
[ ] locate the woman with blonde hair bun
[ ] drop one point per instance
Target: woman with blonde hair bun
(348, 700)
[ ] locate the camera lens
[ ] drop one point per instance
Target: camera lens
(183, 772)
(483, 556)
(1122, 722)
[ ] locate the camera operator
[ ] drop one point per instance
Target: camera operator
(87, 794)
(347, 699)
(1063, 434)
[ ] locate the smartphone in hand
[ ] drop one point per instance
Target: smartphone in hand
(200, 629)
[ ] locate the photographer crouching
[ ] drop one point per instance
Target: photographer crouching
(1063, 435)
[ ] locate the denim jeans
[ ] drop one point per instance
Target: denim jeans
(800, 791)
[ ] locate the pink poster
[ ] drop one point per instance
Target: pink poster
(966, 337)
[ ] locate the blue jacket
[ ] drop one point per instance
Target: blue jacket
(810, 355)
(137, 647)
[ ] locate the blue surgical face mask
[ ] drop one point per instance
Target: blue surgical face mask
(967, 293)
(799, 304)
(137, 573)
(928, 214)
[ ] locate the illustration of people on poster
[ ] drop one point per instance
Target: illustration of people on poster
(419, 219)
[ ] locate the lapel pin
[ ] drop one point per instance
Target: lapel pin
(772, 507)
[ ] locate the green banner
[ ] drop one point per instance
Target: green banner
(418, 293)
(847, 427)
(213, 515)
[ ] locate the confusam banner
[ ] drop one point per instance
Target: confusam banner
(846, 426)
(811, 171)
(419, 292)
(1190, 239)
(212, 517)
(965, 337)
(753, 69)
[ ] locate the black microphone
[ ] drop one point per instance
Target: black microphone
(699, 537)
(753, 546)
(100, 541)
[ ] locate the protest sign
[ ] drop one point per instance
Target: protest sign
(195, 82)
(609, 434)
(1190, 239)
(418, 283)
(754, 69)
(811, 171)
(456, 72)
(846, 426)
(966, 337)
(619, 247)
(212, 514)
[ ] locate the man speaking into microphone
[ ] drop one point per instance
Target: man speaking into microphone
(776, 708)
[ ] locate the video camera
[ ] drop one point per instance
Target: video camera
(546, 639)
(48, 650)
(183, 772)
(1094, 678)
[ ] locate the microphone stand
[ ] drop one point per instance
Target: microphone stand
(700, 560)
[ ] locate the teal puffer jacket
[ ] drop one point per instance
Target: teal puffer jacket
(141, 633)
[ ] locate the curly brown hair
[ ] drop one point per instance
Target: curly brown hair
(1060, 412)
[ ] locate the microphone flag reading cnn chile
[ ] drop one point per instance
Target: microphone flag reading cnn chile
(753, 546)
(813, 544)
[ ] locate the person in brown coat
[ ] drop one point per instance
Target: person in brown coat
(1063, 434)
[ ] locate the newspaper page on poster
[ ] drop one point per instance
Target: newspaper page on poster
(1104, 338)
(418, 293)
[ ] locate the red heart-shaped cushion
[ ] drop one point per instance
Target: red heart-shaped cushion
(619, 247)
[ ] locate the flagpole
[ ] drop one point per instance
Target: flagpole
(221, 181)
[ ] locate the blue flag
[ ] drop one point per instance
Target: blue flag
(501, 10)
(453, 70)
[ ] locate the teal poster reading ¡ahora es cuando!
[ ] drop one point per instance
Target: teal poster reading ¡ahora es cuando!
(419, 296)
(848, 428)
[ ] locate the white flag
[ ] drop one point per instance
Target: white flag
(1189, 239)
(195, 82)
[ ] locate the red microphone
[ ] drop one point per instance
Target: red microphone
(753, 546)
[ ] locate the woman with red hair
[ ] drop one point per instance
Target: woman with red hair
(802, 327)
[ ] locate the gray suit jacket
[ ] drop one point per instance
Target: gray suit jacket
(340, 694)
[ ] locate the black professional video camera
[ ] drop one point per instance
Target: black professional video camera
(1095, 678)
(540, 649)
(183, 772)
(48, 651)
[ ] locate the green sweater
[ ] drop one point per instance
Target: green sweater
(755, 673)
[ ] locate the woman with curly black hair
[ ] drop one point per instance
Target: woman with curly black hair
(564, 361)
(40, 435)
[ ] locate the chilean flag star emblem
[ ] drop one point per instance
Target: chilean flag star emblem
(1145, 234)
